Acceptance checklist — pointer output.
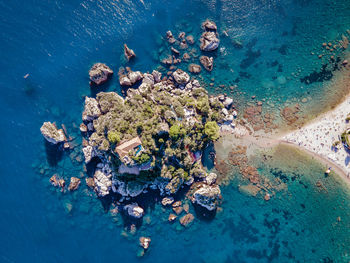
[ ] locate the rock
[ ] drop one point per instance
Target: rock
(209, 25)
(211, 178)
(177, 204)
(51, 133)
(91, 109)
(190, 39)
(88, 153)
(207, 196)
(267, 197)
(175, 51)
(144, 242)
(90, 182)
(130, 79)
(186, 57)
(209, 41)
(227, 102)
(207, 62)
(74, 184)
(56, 181)
(194, 68)
(99, 73)
(157, 76)
(172, 217)
(134, 210)
(83, 128)
(181, 77)
(103, 183)
(167, 201)
(148, 79)
(177, 210)
(129, 53)
(186, 219)
(182, 35)
(186, 208)
(170, 37)
(224, 111)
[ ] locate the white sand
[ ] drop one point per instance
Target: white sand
(319, 136)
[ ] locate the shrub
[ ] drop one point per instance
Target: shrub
(211, 129)
(113, 137)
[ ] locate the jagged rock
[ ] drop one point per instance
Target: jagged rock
(227, 102)
(209, 25)
(177, 210)
(128, 52)
(51, 133)
(157, 76)
(182, 35)
(211, 178)
(172, 217)
(209, 41)
(186, 219)
(90, 182)
(131, 78)
(181, 77)
(207, 62)
(194, 68)
(91, 109)
(74, 184)
(148, 79)
(83, 128)
(190, 39)
(134, 210)
(99, 73)
(88, 153)
(170, 37)
(56, 181)
(167, 201)
(207, 196)
(175, 51)
(177, 204)
(144, 242)
(103, 183)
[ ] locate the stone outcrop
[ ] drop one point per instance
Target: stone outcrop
(186, 219)
(170, 37)
(181, 77)
(91, 109)
(99, 73)
(209, 25)
(145, 242)
(128, 52)
(74, 184)
(207, 196)
(194, 68)
(103, 183)
(52, 134)
(90, 182)
(134, 211)
(55, 180)
(211, 178)
(88, 153)
(130, 78)
(209, 41)
(167, 201)
(207, 62)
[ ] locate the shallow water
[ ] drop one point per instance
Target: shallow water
(57, 42)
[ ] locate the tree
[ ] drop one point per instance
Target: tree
(211, 129)
(113, 137)
(176, 131)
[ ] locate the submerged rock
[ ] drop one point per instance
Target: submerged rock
(51, 133)
(128, 52)
(207, 196)
(90, 182)
(207, 62)
(56, 181)
(74, 184)
(186, 219)
(134, 210)
(99, 73)
(194, 68)
(209, 41)
(172, 217)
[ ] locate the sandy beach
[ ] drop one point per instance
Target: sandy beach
(318, 136)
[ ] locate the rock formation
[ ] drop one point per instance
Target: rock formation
(128, 52)
(99, 73)
(207, 62)
(52, 134)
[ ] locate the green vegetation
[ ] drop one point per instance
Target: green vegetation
(212, 130)
(345, 138)
(113, 137)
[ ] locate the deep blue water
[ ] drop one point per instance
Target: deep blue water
(56, 42)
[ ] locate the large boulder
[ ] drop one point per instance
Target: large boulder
(209, 25)
(99, 73)
(144, 242)
(209, 41)
(74, 184)
(207, 62)
(181, 77)
(207, 196)
(130, 78)
(211, 178)
(134, 211)
(91, 109)
(51, 133)
(128, 52)
(103, 183)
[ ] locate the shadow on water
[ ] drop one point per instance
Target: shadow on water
(54, 153)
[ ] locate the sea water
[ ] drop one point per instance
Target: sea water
(56, 42)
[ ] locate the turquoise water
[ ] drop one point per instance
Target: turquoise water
(56, 42)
